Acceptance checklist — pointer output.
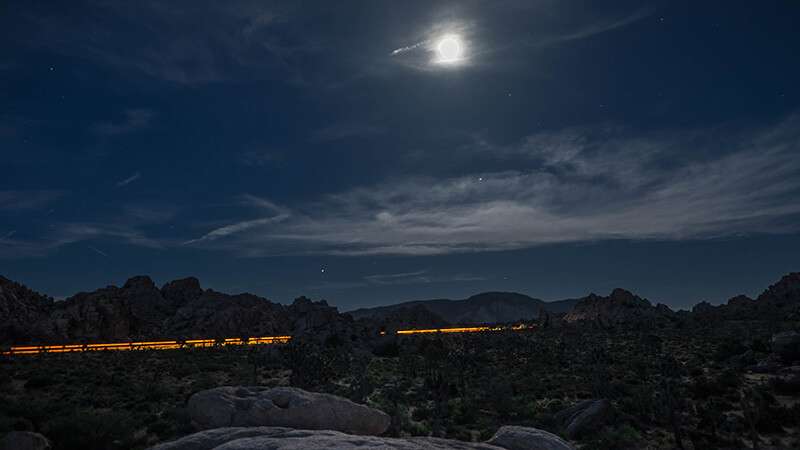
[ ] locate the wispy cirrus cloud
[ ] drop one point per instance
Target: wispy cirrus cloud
(260, 158)
(492, 34)
(63, 234)
(129, 180)
(339, 131)
(419, 277)
(577, 185)
(599, 26)
(19, 200)
(424, 276)
(211, 41)
(277, 214)
(134, 119)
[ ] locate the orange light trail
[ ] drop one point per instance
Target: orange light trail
(144, 345)
(205, 343)
(461, 330)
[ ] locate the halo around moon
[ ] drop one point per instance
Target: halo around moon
(449, 49)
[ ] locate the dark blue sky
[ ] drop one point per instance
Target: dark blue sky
(287, 149)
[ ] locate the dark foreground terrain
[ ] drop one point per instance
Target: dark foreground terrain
(711, 385)
(614, 372)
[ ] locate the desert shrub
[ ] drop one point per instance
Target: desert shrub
(786, 386)
(40, 380)
(386, 349)
(623, 437)
(91, 430)
(728, 348)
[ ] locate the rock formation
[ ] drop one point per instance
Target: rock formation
(20, 309)
(261, 438)
(283, 407)
(180, 309)
(780, 301)
(584, 417)
(619, 307)
(526, 438)
(24, 440)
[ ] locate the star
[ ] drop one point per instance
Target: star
(322, 270)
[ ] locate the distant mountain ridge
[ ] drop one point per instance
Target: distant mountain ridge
(486, 307)
(182, 309)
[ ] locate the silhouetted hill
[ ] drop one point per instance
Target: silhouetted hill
(779, 301)
(141, 310)
(487, 307)
(620, 307)
(182, 309)
(20, 308)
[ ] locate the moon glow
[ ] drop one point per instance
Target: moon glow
(449, 49)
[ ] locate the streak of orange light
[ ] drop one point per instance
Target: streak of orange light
(168, 345)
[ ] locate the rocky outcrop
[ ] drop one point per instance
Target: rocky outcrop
(134, 310)
(319, 321)
(24, 440)
(262, 438)
(779, 302)
(20, 309)
(785, 292)
(283, 407)
(214, 314)
(182, 291)
(525, 438)
(584, 417)
(140, 310)
(620, 307)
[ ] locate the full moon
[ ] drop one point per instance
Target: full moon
(449, 49)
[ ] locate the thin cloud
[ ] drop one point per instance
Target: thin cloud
(259, 158)
(235, 228)
(28, 199)
(279, 215)
(594, 29)
(408, 48)
(212, 41)
(419, 277)
(135, 119)
(98, 251)
(341, 131)
(64, 234)
(579, 185)
(482, 39)
(403, 278)
(129, 180)
(396, 278)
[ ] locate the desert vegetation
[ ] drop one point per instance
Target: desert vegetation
(686, 385)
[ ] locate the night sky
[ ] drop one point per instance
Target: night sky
(372, 152)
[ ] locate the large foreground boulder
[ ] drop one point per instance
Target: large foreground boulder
(233, 406)
(24, 440)
(584, 417)
(274, 438)
(524, 438)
